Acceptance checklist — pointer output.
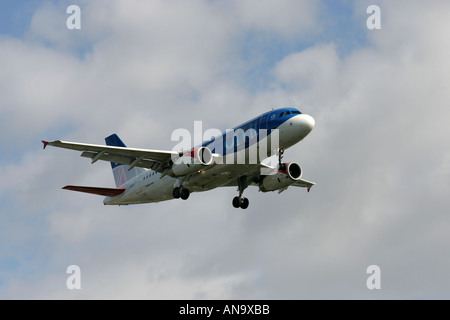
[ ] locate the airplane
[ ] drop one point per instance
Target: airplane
(145, 176)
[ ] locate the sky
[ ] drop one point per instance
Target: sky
(379, 152)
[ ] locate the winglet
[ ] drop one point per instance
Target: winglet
(45, 143)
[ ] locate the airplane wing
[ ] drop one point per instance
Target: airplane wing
(152, 159)
(263, 169)
(303, 183)
(299, 183)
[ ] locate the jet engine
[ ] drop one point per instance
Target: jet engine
(192, 161)
(284, 176)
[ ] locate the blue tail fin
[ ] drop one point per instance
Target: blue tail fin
(120, 171)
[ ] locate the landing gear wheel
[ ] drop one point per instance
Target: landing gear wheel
(184, 194)
(176, 193)
(244, 203)
(236, 202)
(240, 202)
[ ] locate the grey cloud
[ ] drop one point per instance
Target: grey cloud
(378, 153)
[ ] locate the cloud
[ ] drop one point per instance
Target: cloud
(286, 18)
(378, 131)
(142, 69)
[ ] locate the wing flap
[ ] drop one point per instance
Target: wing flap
(107, 192)
(143, 163)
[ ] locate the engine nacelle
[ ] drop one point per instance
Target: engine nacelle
(288, 174)
(192, 161)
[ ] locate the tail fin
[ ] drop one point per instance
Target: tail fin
(120, 171)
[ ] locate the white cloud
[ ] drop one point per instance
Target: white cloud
(286, 18)
(378, 152)
(315, 68)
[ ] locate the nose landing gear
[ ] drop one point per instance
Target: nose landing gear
(280, 157)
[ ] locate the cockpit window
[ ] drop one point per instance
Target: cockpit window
(285, 113)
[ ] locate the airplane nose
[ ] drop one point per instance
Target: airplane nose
(305, 123)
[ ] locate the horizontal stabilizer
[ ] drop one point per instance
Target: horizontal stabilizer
(107, 192)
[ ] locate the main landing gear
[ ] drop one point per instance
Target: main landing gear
(180, 192)
(240, 201)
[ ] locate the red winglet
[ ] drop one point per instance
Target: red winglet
(45, 143)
